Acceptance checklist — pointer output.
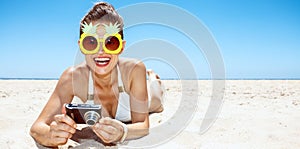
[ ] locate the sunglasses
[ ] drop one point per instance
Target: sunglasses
(111, 43)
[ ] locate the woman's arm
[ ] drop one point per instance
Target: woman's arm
(52, 128)
(138, 103)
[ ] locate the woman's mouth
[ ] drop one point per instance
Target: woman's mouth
(102, 61)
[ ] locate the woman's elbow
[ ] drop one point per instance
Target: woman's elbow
(32, 131)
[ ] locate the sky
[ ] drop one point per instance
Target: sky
(256, 38)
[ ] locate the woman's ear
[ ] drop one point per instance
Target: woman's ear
(78, 42)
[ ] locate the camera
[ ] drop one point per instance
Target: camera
(84, 113)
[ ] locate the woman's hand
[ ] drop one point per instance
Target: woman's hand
(109, 130)
(61, 129)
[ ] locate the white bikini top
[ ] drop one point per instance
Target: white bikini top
(123, 112)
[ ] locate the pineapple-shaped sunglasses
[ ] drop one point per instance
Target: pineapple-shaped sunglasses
(90, 42)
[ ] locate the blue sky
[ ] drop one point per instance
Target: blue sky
(257, 38)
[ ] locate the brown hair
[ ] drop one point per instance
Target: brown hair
(105, 12)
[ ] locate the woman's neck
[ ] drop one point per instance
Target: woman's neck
(106, 80)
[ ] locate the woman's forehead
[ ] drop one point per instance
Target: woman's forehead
(100, 27)
(101, 30)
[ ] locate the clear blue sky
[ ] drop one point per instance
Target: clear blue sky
(257, 38)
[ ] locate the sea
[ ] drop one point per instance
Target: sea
(169, 79)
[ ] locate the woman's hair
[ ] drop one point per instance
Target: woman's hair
(104, 12)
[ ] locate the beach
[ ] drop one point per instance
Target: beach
(253, 114)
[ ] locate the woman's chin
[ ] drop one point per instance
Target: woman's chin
(100, 71)
(102, 68)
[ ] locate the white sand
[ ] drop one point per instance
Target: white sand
(255, 114)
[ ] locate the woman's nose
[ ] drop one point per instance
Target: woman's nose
(101, 51)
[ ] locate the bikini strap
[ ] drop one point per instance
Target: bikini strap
(120, 82)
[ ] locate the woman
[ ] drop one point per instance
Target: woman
(119, 85)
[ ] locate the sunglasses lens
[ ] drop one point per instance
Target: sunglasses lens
(90, 43)
(112, 43)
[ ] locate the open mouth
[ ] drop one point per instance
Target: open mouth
(102, 61)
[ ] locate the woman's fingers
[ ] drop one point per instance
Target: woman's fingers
(65, 127)
(106, 128)
(60, 141)
(111, 122)
(61, 134)
(104, 136)
(61, 129)
(109, 130)
(63, 118)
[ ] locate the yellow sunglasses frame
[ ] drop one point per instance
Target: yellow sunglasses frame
(96, 50)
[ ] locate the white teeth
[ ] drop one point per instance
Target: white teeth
(102, 63)
(102, 59)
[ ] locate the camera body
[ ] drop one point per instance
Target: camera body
(84, 113)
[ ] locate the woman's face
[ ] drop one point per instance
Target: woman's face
(101, 62)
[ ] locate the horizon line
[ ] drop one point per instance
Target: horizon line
(249, 78)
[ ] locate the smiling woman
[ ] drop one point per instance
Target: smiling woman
(119, 85)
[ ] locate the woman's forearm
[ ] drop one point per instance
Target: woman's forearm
(137, 130)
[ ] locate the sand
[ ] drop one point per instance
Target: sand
(254, 114)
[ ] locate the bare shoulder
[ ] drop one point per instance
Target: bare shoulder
(73, 75)
(73, 72)
(130, 66)
(132, 70)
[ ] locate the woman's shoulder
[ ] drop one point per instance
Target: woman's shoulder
(73, 72)
(131, 70)
(130, 65)
(130, 62)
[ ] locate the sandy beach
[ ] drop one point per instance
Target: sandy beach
(254, 114)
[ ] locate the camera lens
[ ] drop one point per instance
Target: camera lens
(91, 117)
